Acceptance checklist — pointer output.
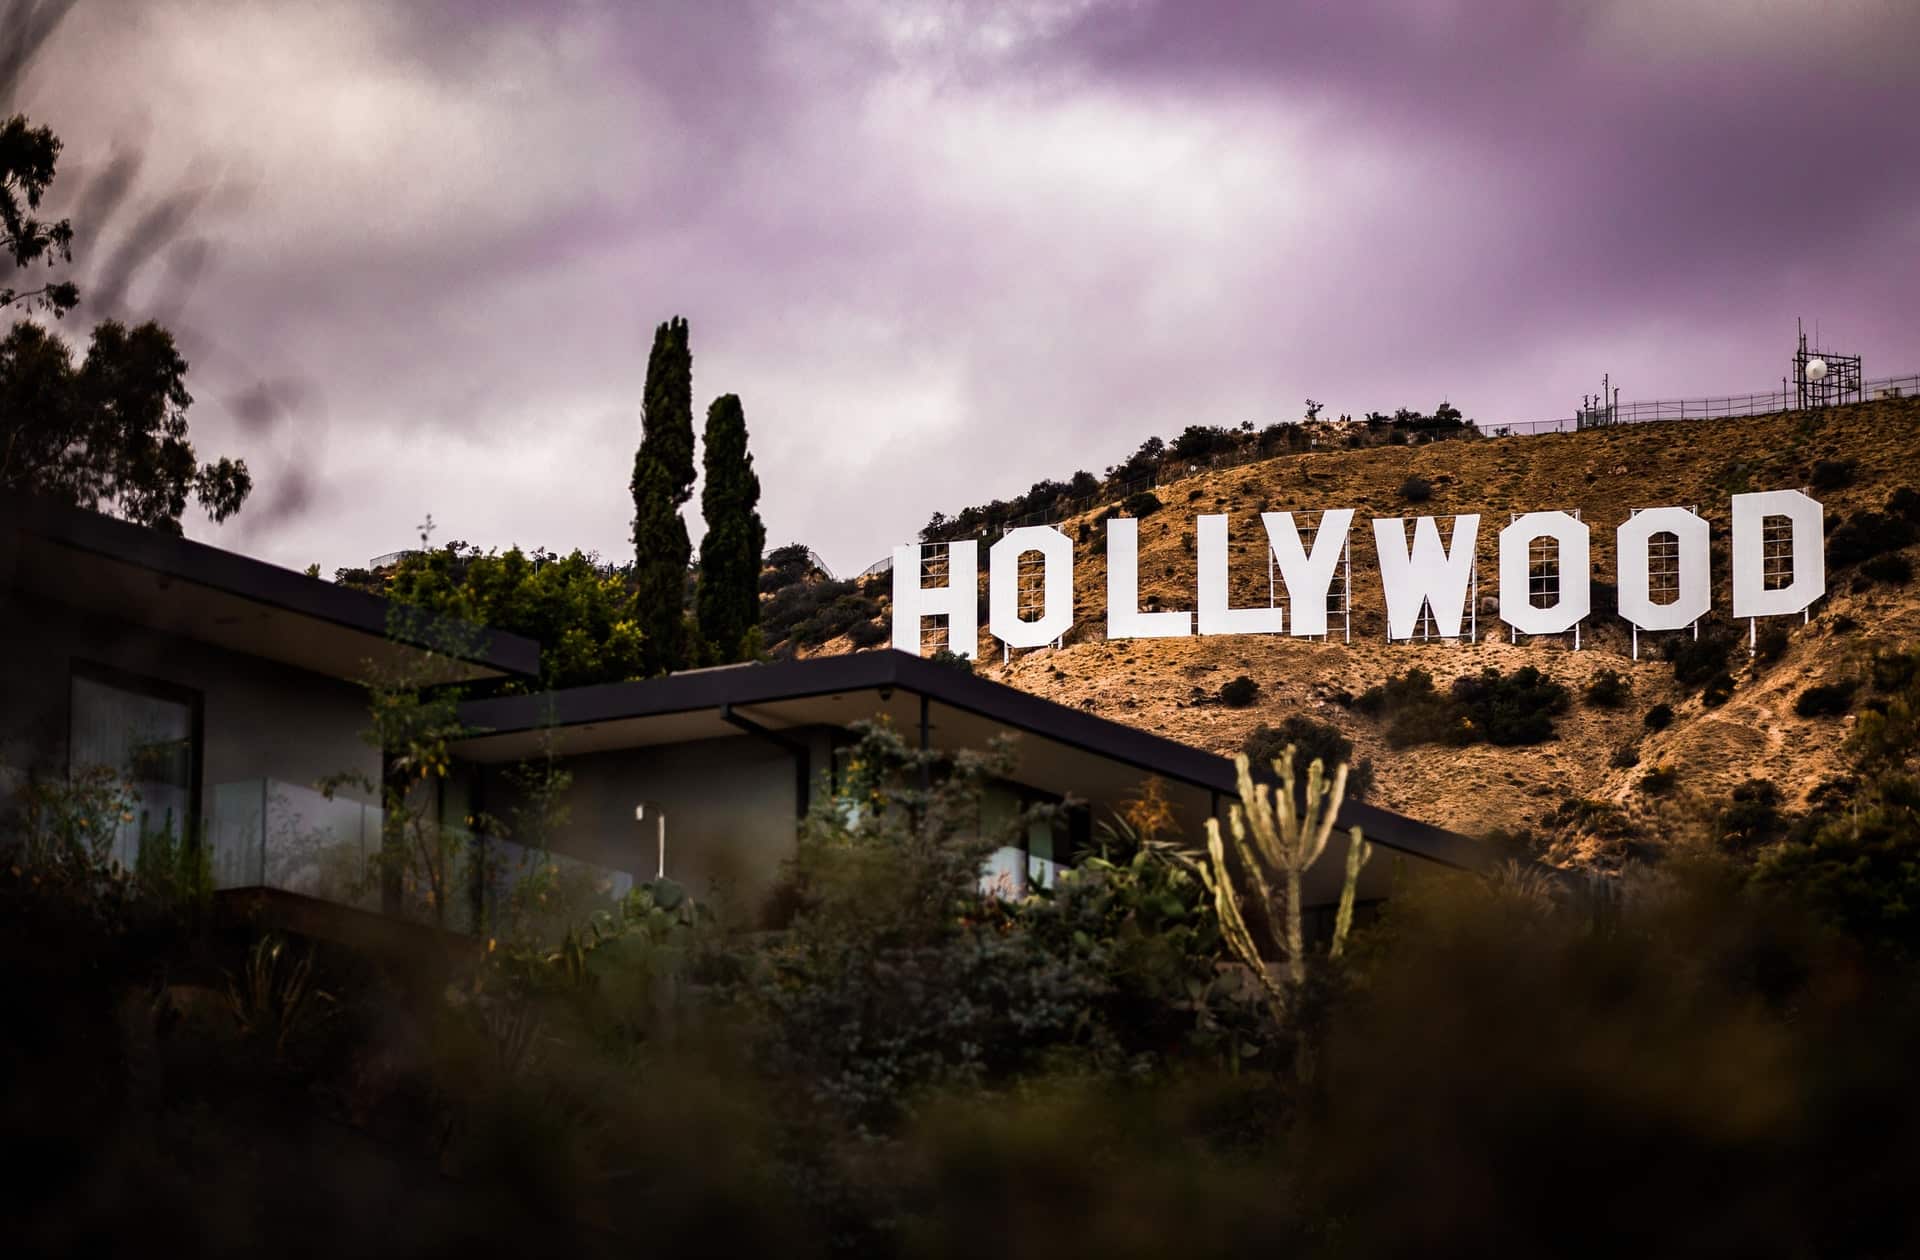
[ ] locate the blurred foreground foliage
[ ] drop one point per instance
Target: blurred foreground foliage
(1710, 1056)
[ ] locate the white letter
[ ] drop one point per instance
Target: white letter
(1308, 577)
(1124, 618)
(958, 600)
(1751, 598)
(1432, 575)
(1216, 616)
(1003, 587)
(1575, 577)
(1695, 594)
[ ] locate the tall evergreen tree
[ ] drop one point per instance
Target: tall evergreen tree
(662, 484)
(728, 602)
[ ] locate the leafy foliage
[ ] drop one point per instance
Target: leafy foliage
(582, 613)
(1659, 717)
(1416, 490)
(108, 433)
(28, 156)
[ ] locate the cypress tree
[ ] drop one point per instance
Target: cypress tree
(662, 484)
(728, 601)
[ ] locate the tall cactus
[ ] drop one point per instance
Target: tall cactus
(1276, 838)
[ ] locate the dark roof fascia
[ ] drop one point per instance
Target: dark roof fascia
(203, 565)
(818, 676)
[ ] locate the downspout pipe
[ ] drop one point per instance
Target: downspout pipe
(802, 757)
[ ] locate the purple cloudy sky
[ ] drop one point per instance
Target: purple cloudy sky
(416, 251)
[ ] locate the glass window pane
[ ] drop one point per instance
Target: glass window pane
(147, 742)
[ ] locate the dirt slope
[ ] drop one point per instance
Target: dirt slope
(1163, 685)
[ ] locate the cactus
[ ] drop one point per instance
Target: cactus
(1277, 839)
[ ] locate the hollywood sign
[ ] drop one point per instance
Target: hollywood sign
(1779, 569)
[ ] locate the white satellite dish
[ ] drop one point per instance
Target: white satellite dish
(1816, 370)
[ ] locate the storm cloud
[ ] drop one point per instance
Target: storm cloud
(415, 253)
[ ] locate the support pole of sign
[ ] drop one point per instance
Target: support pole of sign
(1473, 613)
(1348, 550)
(1636, 643)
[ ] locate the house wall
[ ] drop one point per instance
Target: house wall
(730, 804)
(260, 719)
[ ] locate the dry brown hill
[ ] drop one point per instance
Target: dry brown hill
(1166, 685)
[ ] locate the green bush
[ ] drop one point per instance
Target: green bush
(1143, 503)
(1239, 692)
(1625, 757)
(1610, 689)
(1718, 691)
(1416, 490)
(1659, 717)
(1826, 700)
(1321, 741)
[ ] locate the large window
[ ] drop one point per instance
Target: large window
(145, 734)
(1035, 856)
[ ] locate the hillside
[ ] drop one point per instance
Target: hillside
(1571, 795)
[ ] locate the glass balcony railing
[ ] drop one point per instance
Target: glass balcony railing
(267, 834)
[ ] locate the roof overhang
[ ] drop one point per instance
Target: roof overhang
(1057, 743)
(173, 585)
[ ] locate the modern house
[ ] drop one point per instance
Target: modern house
(224, 691)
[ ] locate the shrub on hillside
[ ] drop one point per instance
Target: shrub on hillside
(1239, 693)
(1825, 700)
(1905, 504)
(1143, 503)
(1718, 691)
(1512, 709)
(952, 660)
(866, 634)
(1322, 741)
(1864, 535)
(1833, 474)
(1751, 815)
(1625, 757)
(1415, 712)
(1660, 780)
(1659, 717)
(1505, 709)
(1771, 644)
(1609, 689)
(1416, 490)
(1893, 569)
(1696, 662)
(1894, 671)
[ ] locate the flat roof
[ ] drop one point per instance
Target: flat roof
(686, 706)
(194, 590)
